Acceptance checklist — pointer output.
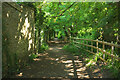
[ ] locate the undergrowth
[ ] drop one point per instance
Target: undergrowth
(32, 56)
(112, 65)
(71, 48)
(44, 47)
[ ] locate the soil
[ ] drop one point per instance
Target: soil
(58, 63)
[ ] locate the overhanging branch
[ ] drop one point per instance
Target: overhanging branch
(64, 11)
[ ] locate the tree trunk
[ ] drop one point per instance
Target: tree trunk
(39, 41)
(118, 40)
(35, 43)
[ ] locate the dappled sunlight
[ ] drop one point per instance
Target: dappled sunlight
(69, 65)
(78, 61)
(83, 76)
(30, 42)
(57, 59)
(62, 58)
(7, 14)
(21, 9)
(25, 30)
(55, 77)
(59, 48)
(56, 42)
(33, 38)
(42, 54)
(69, 70)
(20, 20)
(55, 49)
(50, 48)
(42, 33)
(50, 58)
(67, 61)
(37, 59)
(51, 41)
(91, 63)
(74, 68)
(71, 74)
(81, 69)
(18, 32)
(25, 27)
(20, 74)
(96, 70)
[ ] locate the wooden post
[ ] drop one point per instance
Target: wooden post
(103, 49)
(35, 38)
(80, 42)
(83, 42)
(97, 45)
(87, 44)
(112, 48)
(72, 40)
(39, 41)
(91, 45)
(48, 36)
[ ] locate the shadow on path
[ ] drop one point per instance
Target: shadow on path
(58, 63)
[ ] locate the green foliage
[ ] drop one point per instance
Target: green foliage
(32, 56)
(82, 20)
(71, 48)
(59, 34)
(85, 18)
(30, 4)
(87, 33)
(113, 66)
(44, 47)
(93, 59)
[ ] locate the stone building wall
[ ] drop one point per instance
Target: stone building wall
(17, 36)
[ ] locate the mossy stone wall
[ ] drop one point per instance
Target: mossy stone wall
(17, 36)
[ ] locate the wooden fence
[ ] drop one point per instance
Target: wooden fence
(85, 43)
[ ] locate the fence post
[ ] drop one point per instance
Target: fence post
(83, 42)
(91, 45)
(70, 39)
(112, 48)
(97, 45)
(87, 44)
(103, 49)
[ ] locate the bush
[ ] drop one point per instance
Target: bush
(71, 48)
(32, 56)
(44, 47)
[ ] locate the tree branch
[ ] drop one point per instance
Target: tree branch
(64, 10)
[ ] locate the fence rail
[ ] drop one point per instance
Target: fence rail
(97, 47)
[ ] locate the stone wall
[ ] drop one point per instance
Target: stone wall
(17, 36)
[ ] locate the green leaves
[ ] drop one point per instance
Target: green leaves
(80, 15)
(59, 34)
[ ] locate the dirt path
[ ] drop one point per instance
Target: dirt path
(57, 63)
